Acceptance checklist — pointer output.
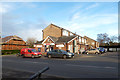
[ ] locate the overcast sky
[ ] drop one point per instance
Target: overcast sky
(28, 19)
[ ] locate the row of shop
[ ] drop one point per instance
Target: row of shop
(67, 43)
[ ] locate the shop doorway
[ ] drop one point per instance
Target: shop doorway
(48, 48)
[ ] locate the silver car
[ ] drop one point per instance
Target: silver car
(92, 51)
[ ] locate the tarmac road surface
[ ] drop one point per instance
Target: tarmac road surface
(82, 66)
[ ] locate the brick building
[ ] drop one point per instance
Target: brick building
(13, 43)
(55, 37)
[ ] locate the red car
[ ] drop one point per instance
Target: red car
(29, 52)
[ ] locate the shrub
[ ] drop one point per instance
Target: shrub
(7, 52)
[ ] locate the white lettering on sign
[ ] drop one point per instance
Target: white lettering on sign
(59, 45)
(48, 44)
(37, 45)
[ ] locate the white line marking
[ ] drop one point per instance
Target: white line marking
(91, 66)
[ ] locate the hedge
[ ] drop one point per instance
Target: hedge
(7, 52)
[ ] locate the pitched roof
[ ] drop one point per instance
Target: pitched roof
(39, 42)
(53, 38)
(5, 39)
(65, 39)
(89, 38)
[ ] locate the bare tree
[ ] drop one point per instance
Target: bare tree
(105, 39)
(119, 38)
(102, 38)
(113, 39)
(31, 41)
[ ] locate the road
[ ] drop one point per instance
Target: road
(82, 66)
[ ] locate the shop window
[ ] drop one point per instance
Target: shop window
(39, 49)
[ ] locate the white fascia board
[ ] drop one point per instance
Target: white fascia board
(72, 39)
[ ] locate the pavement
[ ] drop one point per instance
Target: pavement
(82, 66)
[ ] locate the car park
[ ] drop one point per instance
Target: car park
(91, 51)
(60, 53)
(29, 52)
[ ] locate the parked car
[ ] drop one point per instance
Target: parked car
(91, 51)
(60, 53)
(29, 52)
(101, 49)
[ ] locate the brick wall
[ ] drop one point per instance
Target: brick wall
(92, 42)
(51, 30)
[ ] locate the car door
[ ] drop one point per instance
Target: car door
(94, 51)
(29, 54)
(90, 51)
(54, 53)
(59, 53)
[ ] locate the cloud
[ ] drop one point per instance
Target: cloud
(92, 21)
(28, 4)
(92, 6)
(15, 25)
(30, 33)
(5, 8)
(86, 23)
(112, 32)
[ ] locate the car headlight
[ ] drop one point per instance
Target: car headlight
(35, 53)
(69, 54)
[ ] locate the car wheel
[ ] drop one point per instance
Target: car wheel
(96, 53)
(72, 56)
(33, 56)
(49, 56)
(64, 56)
(39, 56)
(23, 56)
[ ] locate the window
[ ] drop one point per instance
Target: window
(55, 50)
(39, 49)
(75, 42)
(79, 39)
(85, 40)
(93, 43)
(29, 51)
(48, 40)
(82, 40)
(33, 50)
(65, 33)
(71, 34)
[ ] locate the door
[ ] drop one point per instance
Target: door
(74, 46)
(39, 49)
(59, 53)
(29, 54)
(54, 53)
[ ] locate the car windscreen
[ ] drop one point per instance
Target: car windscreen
(33, 50)
(62, 51)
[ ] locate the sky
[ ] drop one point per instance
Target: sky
(28, 19)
